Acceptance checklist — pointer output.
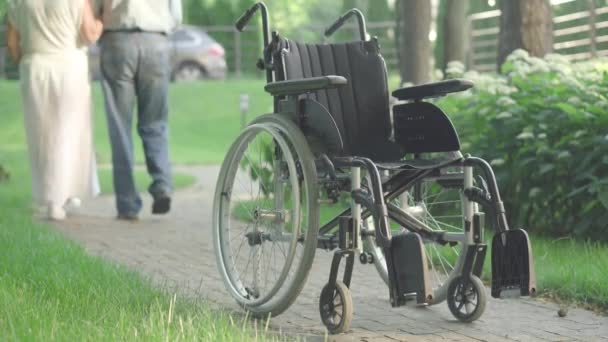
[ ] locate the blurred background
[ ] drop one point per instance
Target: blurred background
(417, 36)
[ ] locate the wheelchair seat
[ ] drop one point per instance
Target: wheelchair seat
(360, 108)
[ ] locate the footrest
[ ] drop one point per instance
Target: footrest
(512, 263)
(408, 265)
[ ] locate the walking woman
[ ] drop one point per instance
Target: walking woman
(48, 39)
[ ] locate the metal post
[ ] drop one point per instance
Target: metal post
(468, 205)
(355, 181)
(244, 106)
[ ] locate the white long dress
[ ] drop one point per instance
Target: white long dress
(56, 94)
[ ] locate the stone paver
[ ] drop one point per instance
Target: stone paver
(176, 251)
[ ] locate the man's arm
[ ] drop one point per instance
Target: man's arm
(12, 41)
(91, 27)
(98, 8)
(175, 6)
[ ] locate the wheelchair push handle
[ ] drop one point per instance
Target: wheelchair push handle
(243, 20)
(340, 22)
(246, 17)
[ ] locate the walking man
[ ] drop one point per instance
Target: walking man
(134, 63)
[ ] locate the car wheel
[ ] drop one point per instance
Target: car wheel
(189, 72)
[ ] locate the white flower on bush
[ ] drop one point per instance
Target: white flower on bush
(555, 58)
(497, 162)
(606, 137)
(574, 100)
(538, 65)
(579, 133)
(471, 75)
(455, 69)
(563, 154)
(572, 82)
(438, 74)
(504, 115)
(505, 101)
(521, 69)
(542, 136)
(505, 89)
(534, 192)
(525, 136)
(518, 54)
(602, 103)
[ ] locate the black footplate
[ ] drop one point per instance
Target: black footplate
(512, 263)
(408, 267)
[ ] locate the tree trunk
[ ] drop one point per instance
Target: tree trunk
(455, 40)
(525, 24)
(414, 46)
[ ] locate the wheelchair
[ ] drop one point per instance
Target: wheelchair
(403, 197)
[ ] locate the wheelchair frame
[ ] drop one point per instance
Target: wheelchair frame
(402, 256)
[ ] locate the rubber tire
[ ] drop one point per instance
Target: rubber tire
(347, 308)
(482, 299)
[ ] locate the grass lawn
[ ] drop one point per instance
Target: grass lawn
(50, 289)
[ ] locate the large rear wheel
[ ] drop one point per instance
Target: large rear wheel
(266, 215)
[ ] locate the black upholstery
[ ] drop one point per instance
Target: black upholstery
(360, 108)
(422, 127)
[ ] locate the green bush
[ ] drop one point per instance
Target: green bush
(543, 125)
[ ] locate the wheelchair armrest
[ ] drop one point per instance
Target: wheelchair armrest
(305, 85)
(434, 89)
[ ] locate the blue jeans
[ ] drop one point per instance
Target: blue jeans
(135, 70)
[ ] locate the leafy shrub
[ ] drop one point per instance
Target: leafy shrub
(543, 125)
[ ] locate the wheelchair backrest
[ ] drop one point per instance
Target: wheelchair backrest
(361, 108)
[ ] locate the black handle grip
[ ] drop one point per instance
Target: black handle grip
(335, 26)
(244, 19)
(360, 21)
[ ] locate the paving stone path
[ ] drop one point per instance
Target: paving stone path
(176, 250)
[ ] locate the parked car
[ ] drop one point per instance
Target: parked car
(194, 56)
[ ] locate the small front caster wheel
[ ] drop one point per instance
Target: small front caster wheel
(336, 307)
(467, 300)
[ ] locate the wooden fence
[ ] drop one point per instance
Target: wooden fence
(578, 36)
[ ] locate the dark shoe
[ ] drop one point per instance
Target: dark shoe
(161, 205)
(128, 217)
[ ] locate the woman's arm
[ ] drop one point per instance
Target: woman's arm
(12, 40)
(92, 27)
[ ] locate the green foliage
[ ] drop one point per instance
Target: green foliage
(260, 165)
(543, 124)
